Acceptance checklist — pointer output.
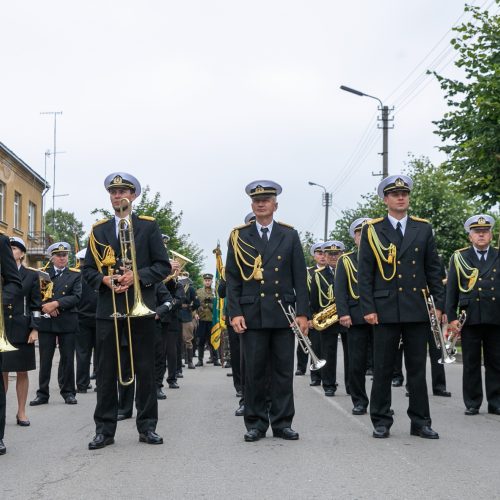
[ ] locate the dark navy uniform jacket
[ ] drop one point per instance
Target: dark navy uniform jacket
(400, 300)
(284, 278)
(482, 303)
(152, 263)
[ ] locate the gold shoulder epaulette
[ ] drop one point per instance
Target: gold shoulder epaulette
(102, 221)
(75, 269)
(146, 217)
(418, 219)
(347, 253)
(285, 225)
(462, 249)
(374, 221)
(319, 269)
(241, 227)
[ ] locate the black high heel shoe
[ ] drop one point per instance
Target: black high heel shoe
(23, 423)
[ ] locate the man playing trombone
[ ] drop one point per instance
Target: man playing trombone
(125, 258)
(265, 264)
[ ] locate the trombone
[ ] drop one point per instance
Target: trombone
(5, 345)
(139, 309)
(182, 260)
(304, 340)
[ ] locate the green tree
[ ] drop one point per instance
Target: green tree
(169, 223)
(63, 226)
(471, 128)
(436, 196)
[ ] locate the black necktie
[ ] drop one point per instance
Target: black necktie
(482, 255)
(58, 273)
(399, 230)
(265, 236)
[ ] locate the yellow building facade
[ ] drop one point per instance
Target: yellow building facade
(21, 204)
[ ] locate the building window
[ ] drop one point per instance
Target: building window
(31, 219)
(17, 210)
(2, 201)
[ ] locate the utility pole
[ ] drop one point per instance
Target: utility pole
(327, 203)
(385, 128)
(54, 154)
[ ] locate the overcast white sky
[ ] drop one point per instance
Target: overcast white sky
(198, 98)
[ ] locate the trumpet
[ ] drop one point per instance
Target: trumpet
(437, 332)
(5, 345)
(304, 341)
(453, 336)
(139, 308)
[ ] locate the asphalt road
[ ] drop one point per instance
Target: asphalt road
(204, 455)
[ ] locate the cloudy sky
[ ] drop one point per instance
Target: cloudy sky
(199, 97)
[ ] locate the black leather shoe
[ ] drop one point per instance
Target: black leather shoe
(359, 410)
(286, 433)
(100, 441)
(314, 383)
(471, 411)
(70, 400)
(190, 365)
(240, 411)
(216, 362)
(173, 385)
(160, 394)
(299, 372)
(150, 437)
(493, 410)
(200, 363)
(239, 394)
(391, 412)
(253, 435)
(22, 423)
(381, 431)
(39, 401)
(179, 375)
(442, 392)
(3, 449)
(81, 391)
(424, 432)
(397, 383)
(123, 416)
(227, 364)
(329, 392)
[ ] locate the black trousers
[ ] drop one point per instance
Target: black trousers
(385, 342)
(477, 338)
(397, 371)
(234, 348)
(269, 360)
(166, 352)
(438, 375)
(203, 333)
(358, 339)
(302, 358)
(47, 346)
(143, 346)
(315, 338)
(329, 343)
(175, 329)
(2, 402)
(84, 343)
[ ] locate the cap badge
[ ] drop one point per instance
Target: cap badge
(117, 180)
(481, 220)
(259, 189)
(399, 182)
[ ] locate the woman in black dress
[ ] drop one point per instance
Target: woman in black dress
(22, 331)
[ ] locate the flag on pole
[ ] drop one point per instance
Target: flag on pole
(218, 323)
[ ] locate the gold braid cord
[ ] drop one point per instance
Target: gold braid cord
(378, 251)
(464, 270)
(107, 258)
(47, 291)
(244, 257)
(330, 298)
(351, 273)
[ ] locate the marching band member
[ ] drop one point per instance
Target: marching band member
(23, 331)
(59, 324)
(11, 291)
(397, 260)
(351, 317)
(474, 287)
(265, 263)
(105, 271)
(322, 298)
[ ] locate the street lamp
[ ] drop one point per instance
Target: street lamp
(385, 128)
(327, 202)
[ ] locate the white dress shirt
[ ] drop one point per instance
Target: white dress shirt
(395, 221)
(260, 226)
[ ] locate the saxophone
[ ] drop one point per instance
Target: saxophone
(325, 318)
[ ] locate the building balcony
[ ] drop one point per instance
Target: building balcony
(37, 243)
